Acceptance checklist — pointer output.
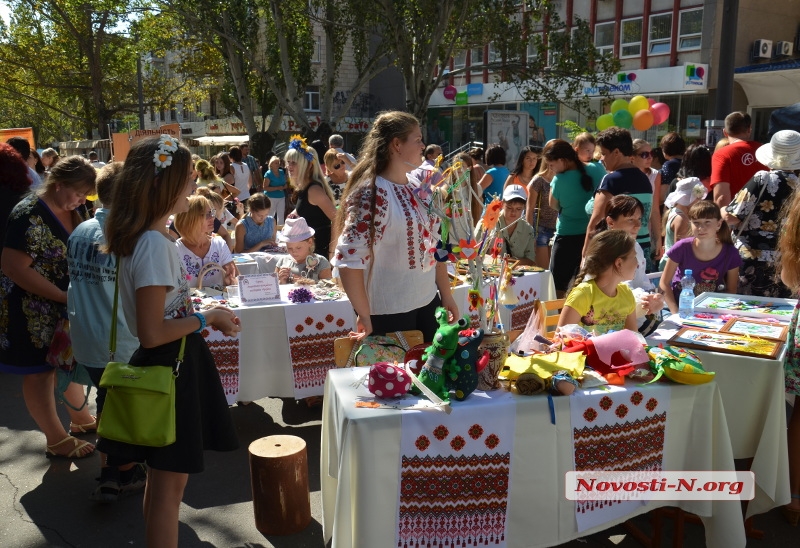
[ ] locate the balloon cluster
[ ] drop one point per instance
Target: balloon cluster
(640, 113)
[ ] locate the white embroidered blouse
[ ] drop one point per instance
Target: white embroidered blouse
(403, 276)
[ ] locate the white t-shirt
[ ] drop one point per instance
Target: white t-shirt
(399, 282)
(241, 180)
(218, 253)
(154, 262)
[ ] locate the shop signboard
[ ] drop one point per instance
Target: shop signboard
(509, 129)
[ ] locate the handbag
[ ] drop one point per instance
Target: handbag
(140, 401)
(68, 370)
(376, 349)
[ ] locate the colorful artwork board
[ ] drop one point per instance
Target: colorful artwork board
(756, 328)
(745, 305)
(713, 341)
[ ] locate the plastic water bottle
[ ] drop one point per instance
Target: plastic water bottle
(686, 300)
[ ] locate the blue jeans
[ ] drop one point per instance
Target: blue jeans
(544, 235)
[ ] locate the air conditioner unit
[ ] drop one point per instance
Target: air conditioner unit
(783, 49)
(762, 49)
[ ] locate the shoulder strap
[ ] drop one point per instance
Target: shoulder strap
(758, 200)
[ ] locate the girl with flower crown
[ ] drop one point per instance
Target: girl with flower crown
(154, 296)
(312, 195)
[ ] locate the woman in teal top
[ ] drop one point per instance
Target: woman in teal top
(494, 178)
(573, 186)
(276, 188)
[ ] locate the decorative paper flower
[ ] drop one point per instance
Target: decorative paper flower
(492, 214)
(168, 143)
(300, 295)
(698, 192)
(497, 248)
(298, 143)
(469, 249)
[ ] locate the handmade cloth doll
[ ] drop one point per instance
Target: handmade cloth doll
(439, 358)
(468, 363)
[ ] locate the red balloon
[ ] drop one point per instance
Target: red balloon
(643, 120)
(660, 113)
(651, 102)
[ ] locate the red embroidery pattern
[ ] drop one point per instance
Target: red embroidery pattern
(590, 415)
(453, 501)
(476, 431)
(491, 441)
(422, 443)
(356, 229)
(621, 411)
(606, 403)
(312, 356)
(636, 398)
(637, 445)
(457, 443)
(225, 351)
(441, 432)
(651, 404)
(407, 202)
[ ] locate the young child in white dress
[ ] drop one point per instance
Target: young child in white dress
(301, 262)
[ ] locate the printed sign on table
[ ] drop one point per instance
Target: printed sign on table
(259, 289)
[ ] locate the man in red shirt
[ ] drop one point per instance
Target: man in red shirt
(733, 165)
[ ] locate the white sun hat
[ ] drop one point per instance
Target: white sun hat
(782, 151)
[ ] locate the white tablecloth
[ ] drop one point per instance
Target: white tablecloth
(361, 452)
(752, 391)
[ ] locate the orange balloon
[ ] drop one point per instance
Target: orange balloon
(643, 120)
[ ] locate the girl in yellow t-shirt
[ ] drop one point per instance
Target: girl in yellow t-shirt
(600, 301)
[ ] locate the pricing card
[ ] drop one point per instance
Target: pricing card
(259, 288)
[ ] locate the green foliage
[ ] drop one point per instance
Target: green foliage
(572, 128)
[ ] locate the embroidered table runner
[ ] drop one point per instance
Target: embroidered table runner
(617, 429)
(454, 474)
(226, 357)
(311, 329)
(527, 289)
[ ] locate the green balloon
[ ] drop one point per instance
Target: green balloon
(623, 119)
(604, 121)
(619, 104)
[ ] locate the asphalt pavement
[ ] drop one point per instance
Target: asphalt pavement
(45, 502)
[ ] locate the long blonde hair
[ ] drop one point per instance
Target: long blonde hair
(191, 223)
(787, 266)
(304, 166)
(143, 195)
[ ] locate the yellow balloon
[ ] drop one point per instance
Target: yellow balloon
(638, 103)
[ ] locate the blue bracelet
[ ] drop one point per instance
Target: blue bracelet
(202, 321)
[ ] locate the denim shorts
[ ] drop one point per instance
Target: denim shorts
(544, 235)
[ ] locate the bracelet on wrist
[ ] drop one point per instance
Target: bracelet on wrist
(202, 321)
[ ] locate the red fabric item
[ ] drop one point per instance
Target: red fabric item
(618, 365)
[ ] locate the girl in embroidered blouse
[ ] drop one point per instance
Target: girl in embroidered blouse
(789, 268)
(601, 301)
(256, 230)
(154, 295)
(386, 234)
(198, 246)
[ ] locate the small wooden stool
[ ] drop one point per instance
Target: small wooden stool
(279, 479)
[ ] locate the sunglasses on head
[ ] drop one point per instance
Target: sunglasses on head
(211, 214)
(646, 154)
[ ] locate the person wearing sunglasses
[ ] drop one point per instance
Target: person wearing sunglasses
(643, 159)
(198, 246)
(337, 174)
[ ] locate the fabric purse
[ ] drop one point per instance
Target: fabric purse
(376, 349)
(388, 380)
(679, 365)
(140, 402)
(68, 370)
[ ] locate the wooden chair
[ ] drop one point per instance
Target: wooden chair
(344, 346)
(549, 312)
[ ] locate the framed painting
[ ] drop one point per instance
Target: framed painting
(729, 343)
(745, 305)
(756, 328)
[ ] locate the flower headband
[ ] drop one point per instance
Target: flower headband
(163, 155)
(299, 143)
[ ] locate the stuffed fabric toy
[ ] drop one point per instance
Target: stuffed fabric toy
(439, 356)
(469, 363)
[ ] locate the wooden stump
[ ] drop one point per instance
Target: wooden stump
(279, 479)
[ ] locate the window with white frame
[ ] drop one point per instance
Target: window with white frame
(555, 48)
(604, 37)
(690, 29)
(316, 57)
(660, 34)
(477, 60)
(495, 55)
(311, 99)
(630, 39)
(460, 60)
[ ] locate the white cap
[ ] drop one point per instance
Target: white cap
(515, 192)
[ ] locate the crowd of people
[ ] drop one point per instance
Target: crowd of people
(600, 213)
